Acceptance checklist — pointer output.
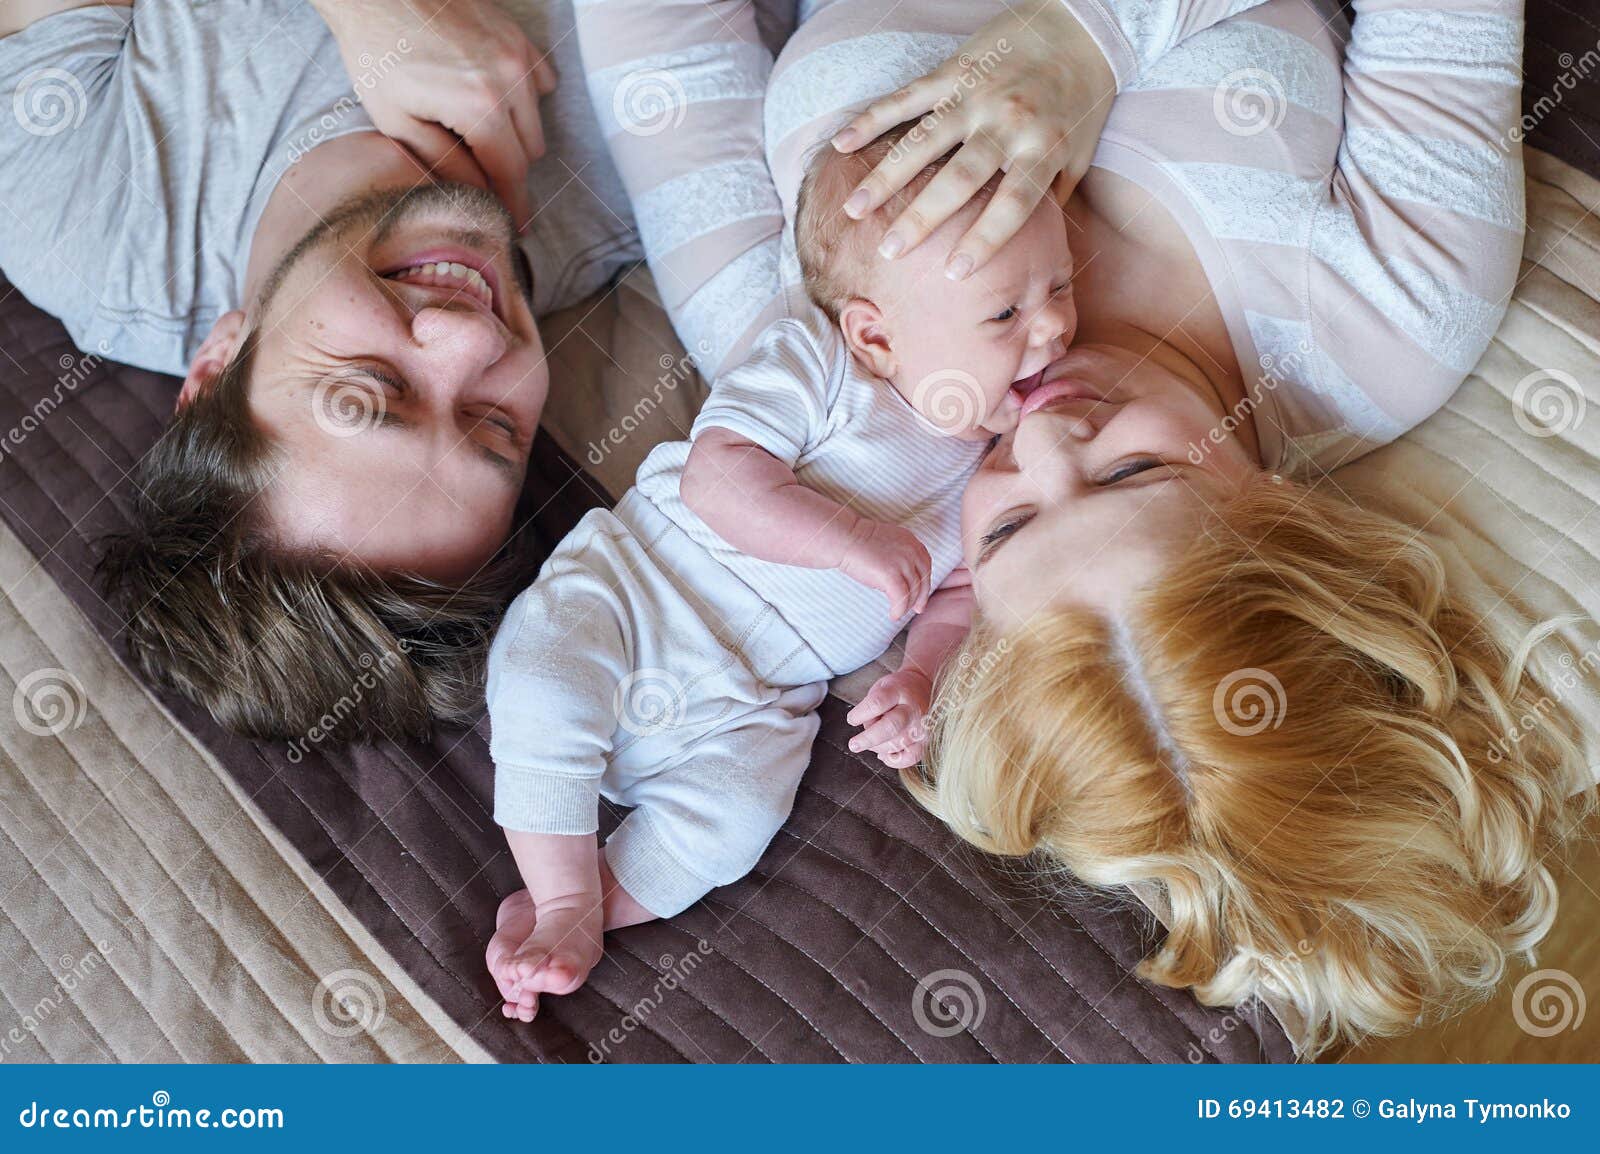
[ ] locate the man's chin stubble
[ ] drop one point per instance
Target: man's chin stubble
(367, 218)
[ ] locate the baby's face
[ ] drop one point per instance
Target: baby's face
(967, 352)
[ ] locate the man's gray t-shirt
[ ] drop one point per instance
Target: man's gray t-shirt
(147, 141)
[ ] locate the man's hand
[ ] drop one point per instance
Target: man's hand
(455, 81)
(890, 559)
(894, 718)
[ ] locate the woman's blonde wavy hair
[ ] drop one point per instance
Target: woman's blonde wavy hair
(1295, 750)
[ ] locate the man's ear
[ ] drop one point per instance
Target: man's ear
(867, 334)
(220, 346)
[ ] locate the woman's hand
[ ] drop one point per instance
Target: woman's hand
(439, 74)
(1027, 95)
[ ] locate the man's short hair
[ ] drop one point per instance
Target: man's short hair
(276, 643)
(837, 253)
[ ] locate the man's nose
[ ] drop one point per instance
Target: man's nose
(464, 342)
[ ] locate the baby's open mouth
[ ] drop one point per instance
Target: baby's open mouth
(1022, 386)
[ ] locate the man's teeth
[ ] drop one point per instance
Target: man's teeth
(450, 274)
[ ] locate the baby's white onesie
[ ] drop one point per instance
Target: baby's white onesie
(653, 664)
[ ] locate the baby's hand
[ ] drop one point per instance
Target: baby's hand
(890, 559)
(894, 717)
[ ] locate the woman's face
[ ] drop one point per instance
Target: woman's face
(1096, 488)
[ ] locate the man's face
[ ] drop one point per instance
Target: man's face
(400, 376)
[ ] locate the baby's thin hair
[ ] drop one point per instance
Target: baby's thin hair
(837, 253)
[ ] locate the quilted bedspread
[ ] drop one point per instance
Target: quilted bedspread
(170, 891)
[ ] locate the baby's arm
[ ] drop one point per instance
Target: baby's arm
(752, 501)
(893, 715)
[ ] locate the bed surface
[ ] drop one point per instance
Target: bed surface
(862, 922)
(169, 891)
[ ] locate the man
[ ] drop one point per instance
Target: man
(195, 190)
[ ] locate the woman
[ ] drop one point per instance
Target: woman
(1257, 705)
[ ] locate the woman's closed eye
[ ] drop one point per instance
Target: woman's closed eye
(1122, 470)
(999, 533)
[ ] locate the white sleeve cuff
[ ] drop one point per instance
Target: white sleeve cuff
(649, 871)
(534, 801)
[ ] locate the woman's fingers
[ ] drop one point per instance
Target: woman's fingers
(917, 149)
(1020, 191)
(954, 185)
(899, 106)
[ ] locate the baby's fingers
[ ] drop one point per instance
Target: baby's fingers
(902, 758)
(880, 734)
(869, 707)
(898, 590)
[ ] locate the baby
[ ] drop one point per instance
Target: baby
(673, 652)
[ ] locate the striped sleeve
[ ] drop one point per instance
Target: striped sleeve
(779, 397)
(1415, 254)
(1134, 34)
(678, 87)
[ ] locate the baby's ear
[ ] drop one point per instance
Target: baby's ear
(867, 334)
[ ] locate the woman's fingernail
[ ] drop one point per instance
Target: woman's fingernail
(893, 245)
(846, 140)
(960, 266)
(857, 204)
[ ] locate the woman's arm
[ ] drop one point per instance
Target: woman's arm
(1415, 255)
(1028, 95)
(678, 86)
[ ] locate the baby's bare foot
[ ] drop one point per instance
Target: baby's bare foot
(513, 924)
(564, 945)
